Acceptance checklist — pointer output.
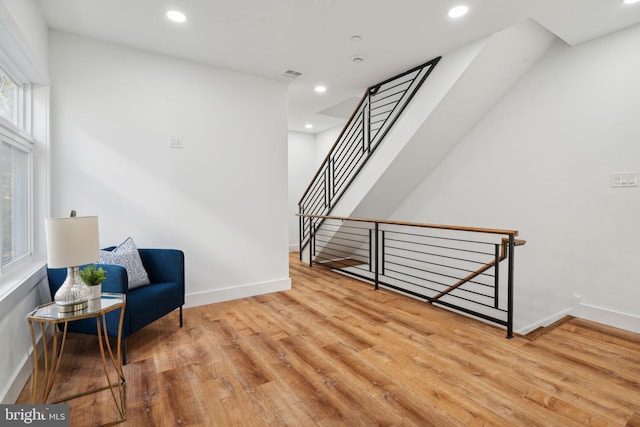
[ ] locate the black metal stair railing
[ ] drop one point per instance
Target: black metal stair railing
(378, 110)
(455, 267)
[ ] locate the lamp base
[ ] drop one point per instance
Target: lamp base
(74, 294)
(71, 308)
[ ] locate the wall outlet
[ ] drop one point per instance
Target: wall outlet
(175, 141)
(626, 179)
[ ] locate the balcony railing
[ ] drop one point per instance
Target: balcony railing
(452, 266)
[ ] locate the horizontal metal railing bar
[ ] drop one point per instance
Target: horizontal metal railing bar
(344, 256)
(346, 232)
(474, 313)
(331, 253)
(409, 291)
(340, 258)
(343, 224)
(384, 114)
(390, 261)
(409, 250)
(327, 246)
(399, 81)
(379, 103)
(399, 89)
(354, 232)
(319, 238)
(423, 278)
(383, 125)
(348, 237)
(402, 88)
(435, 290)
(387, 107)
(434, 282)
(436, 287)
(418, 224)
(431, 236)
(360, 258)
(331, 264)
(437, 246)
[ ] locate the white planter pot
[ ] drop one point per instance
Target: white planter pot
(96, 291)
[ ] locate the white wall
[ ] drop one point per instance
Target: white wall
(222, 199)
(324, 143)
(302, 167)
(541, 162)
(306, 154)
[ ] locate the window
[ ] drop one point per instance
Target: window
(8, 98)
(15, 177)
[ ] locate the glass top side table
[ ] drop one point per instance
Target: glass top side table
(98, 308)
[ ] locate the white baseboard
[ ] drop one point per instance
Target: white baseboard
(544, 322)
(236, 292)
(294, 248)
(617, 319)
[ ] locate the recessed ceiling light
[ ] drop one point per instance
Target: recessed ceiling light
(176, 16)
(630, 1)
(320, 89)
(308, 126)
(458, 11)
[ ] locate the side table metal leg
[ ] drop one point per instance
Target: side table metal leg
(51, 362)
(118, 388)
(34, 375)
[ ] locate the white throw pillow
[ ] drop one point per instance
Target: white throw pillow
(127, 256)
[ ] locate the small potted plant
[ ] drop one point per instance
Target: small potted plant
(94, 277)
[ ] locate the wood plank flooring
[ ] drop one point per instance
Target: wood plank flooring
(334, 352)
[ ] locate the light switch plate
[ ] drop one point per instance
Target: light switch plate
(175, 141)
(624, 179)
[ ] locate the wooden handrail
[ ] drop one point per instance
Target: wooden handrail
(503, 255)
(418, 224)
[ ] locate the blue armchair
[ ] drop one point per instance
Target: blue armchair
(145, 304)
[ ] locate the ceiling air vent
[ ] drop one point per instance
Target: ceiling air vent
(291, 75)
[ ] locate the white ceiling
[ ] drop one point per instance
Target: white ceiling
(268, 37)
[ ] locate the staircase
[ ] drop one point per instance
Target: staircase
(404, 126)
(376, 113)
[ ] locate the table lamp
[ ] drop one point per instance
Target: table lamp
(72, 242)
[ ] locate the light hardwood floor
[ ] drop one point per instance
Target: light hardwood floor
(334, 352)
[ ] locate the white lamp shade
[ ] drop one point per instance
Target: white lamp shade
(72, 241)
